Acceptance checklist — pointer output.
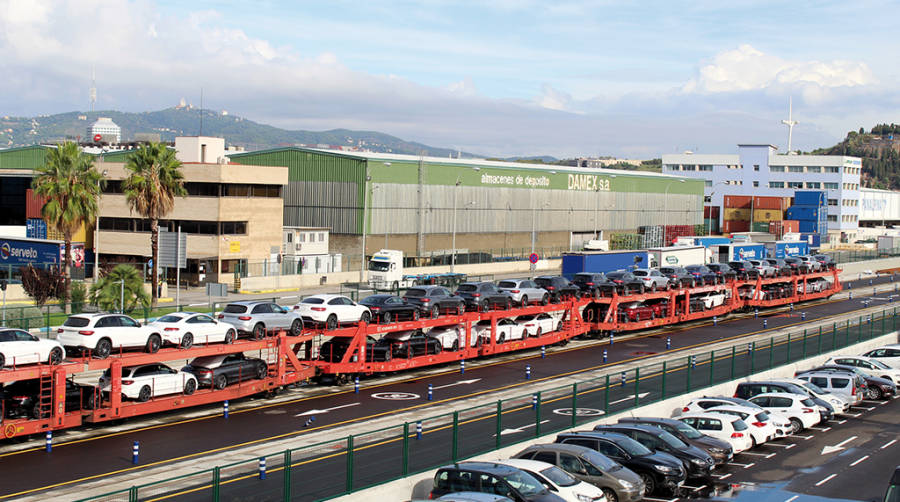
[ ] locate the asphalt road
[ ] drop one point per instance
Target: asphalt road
(31, 470)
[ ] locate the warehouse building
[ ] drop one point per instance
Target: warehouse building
(758, 170)
(417, 204)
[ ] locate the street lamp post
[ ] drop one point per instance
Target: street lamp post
(453, 232)
(666, 212)
(533, 220)
(362, 259)
(711, 194)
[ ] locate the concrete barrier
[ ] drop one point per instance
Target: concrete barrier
(419, 485)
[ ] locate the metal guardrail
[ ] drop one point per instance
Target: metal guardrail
(371, 458)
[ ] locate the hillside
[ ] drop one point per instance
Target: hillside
(880, 152)
(171, 122)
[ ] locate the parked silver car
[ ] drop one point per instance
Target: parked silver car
(653, 279)
(813, 264)
(258, 318)
(524, 291)
(764, 268)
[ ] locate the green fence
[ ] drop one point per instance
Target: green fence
(332, 468)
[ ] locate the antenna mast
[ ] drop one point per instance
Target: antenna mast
(93, 92)
(790, 122)
(201, 112)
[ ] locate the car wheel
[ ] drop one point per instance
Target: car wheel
(693, 283)
(539, 332)
(508, 304)
(501, 337)
(145, 394)
(455, 345)
(796, 426)
(415, 315)
(103, 348)
(331, 323)
(2, 361)
(296, 327)
(56, 357)
(36, 411)
(653, 287)
(229, 336)
(874, 393)
(386, 318)
(524, 301)
(189, 387)
(460, 309)
(545, 300)
(649, 483)
(262, 371)
(153, 343)
(595, 293)
(187, 341)
(220, 382)
(259, 331)
(435, 312)
(365, 317)
(610, 495)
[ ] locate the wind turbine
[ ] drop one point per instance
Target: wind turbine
(790, 123)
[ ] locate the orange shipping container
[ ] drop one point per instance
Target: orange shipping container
(736, 226)
(766, 215)
(734, 214)
(33, 204)
(738, 201)
(769, 203)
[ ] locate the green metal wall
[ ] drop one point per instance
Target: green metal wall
(26, 157)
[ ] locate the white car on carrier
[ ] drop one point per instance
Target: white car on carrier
(103, 333)
(151, 380)
(184, 329)
(18, 347)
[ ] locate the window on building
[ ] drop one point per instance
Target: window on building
(755, 183)
(312, 237)
(832, 169)
(688, 167)
(670, 167)
(321, 236)
(290, 237)
(706, 168)
(776, 169)
(301, 237)
(735, 166)
(202, 189)
(795, 169)
(234, 190)
(813, 184)
(113, 186)
(832, 202)
(814, 169)
(756, 167)
(795, 184)
(776, 184)
(832, 217)
(237, 228)
(831, 186)
(707, 183)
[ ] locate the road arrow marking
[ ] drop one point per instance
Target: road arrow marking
(461, 382)
(326, 410)
(520, 429)
(837, 447)
(642, 395)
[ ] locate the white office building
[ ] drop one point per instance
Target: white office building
(759, 170)
(107, 129)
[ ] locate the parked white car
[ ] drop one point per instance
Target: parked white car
(507, 330)
(18, 347)
(151, 380)
(184, 329)
(537, 324)
(888, 354)
(840, 404)
(560, 482)
(801, 411)
(870, 365)
(762, 428)
(524, 291)
(728, 428)
(764, 268)
(713, 300)
(452, 337)
(103, 333)
(332, 310)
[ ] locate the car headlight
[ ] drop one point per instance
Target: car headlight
(835, 402)
(698, 461)
(625, 484)
(584, 498)
(717, 450)
(664, 468)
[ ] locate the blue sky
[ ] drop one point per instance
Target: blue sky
(500, 78)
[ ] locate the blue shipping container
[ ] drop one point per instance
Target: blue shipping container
(807, 213)
(603, 261)
(814, 241)
(810, 198)
(711, 241)
(21, 252)
(735, 252)
(782, 249)
(35, 228)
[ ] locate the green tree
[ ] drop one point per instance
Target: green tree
(107, 293)
(72, 186)
(154, 179)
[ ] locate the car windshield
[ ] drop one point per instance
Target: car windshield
(313, 300)
(466, 287)
(373, 300)
(559, 477)
(739, 425)
(671, 440)
(524, 483)
(615, 275)
(506, 284)
(633, 447)
(688, 431)
(762, 416)
(77, 322)
(379, 266)
(878, 364)
(807, 402)
(415, 292)
(640, 273)
(169, 318)
(233, 308)
(813, 387)
(600, 461)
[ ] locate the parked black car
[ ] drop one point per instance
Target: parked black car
(21, 399)
(719, 450)
(744, 269)
(624, 283)
(591, 283)
(390, 308)
(221, 370)
(679, 277)
(658, 470)
(333, 350)
(559, 287)
(434, 300)
(487, 477)
(698, 463)
(782, 268)
(722, 271)
(797, 265)
(406, 344)
(826, 260)
(703, 274)
(481, 296)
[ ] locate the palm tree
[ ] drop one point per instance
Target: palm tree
(72, 186)
(154, 179)
(108, 294)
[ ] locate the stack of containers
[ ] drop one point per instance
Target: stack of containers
(675, 231)
(625, 241)
(767, 210)
(737, 213)
(779, 228)
(711, 218)
(651, 236)
(810, 209)
(35, 227)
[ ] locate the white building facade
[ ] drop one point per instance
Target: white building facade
(107, 129)
(759, 170)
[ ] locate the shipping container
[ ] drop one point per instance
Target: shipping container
(679, 255)
(738, 201)
(747, 237)
(810, 198)
(813, 227)
(888, 242)
(814, 241)
(769, 203)
(760, 226)
(733, 214)
(782, 249)
(603, 261)
(806, 213)
(711, 212)
(783, 227)
(33, 204)
(712, 224)
(711, 241)
(767, 215)
(730, 227)
(734, 252)
(35, 228)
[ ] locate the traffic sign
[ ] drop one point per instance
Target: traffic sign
(97, 138)
(533, 258)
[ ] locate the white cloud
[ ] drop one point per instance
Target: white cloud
(554, 99)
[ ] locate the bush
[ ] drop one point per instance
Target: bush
(24, 318)
(78, 294)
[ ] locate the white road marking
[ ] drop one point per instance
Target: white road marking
(826, 429)
(699, 488)
(754, 453)
(842, 422)
(286, 297)
(740, 465)
(520, 429)
(792, 499)
(785, 446)
(771, 455)
(326, 410)
(642, 395)
(838, 447)
(859, 460)
(722, 476)
(461, 382)
(751, 464)
(892, 441)
(829, 478)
